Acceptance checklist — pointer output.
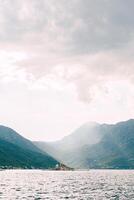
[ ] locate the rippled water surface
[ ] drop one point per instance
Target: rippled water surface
(84, 185)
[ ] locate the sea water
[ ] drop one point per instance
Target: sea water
(56, 185)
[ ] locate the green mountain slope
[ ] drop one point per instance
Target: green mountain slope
(16, 151)
(9, 135)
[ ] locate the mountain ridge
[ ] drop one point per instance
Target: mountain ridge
(19, 152)
(114, 149)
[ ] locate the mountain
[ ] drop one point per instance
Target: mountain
(11, 136)
(115, 150)
(87, 134)
(99, 146)
(18, 152)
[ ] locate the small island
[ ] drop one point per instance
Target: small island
(62, 167)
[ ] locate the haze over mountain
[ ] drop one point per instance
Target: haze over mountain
(87, 134)
(18, 152)
(96, 146)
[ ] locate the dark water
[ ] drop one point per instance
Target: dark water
(86, 185)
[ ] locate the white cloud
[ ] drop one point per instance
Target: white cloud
(65, 63)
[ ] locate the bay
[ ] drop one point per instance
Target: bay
(56, 185)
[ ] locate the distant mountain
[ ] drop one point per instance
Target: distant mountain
(87, 134)
(99, 146)
(16, 151)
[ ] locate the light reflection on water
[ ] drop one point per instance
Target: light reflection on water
(79, 185)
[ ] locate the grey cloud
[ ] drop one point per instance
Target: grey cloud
(94, 37)
(81, 26)
(106, 25)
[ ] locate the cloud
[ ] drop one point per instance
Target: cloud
(86, 43)
(63, 63)
(80, 26)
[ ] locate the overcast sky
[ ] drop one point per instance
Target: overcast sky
(64, 63)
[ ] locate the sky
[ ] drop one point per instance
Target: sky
(64, 63)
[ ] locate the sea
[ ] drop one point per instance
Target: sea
(57, 185)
